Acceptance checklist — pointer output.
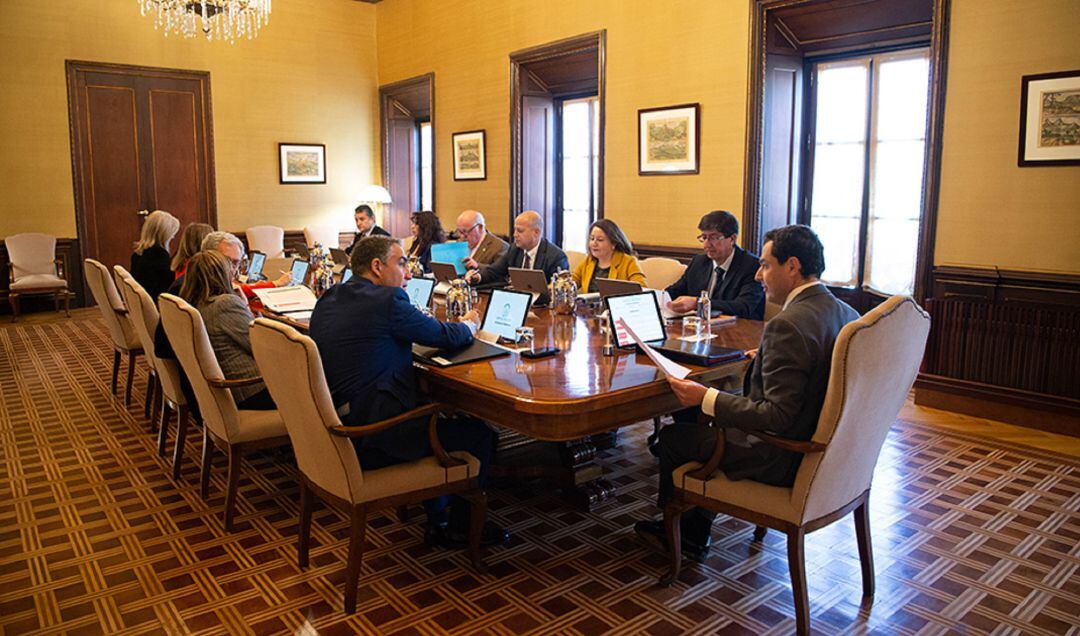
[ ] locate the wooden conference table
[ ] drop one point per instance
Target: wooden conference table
(563, 409)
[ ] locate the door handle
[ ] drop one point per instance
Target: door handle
(143, 213)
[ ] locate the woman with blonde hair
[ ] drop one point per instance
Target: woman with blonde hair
(611, 255)
(208, 287)
(190, 244)
(150, 261)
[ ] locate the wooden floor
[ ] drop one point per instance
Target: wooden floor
(976, 529)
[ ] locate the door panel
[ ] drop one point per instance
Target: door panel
(402, 174)
(782, 111)
(538, 159)
(174, 132)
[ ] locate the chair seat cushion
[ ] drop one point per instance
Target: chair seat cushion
(751, 495)
(422, 473)
(257, 425)
(39, 281)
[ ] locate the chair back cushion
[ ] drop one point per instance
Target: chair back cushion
(187, 334)
(325, 235)
(31, 253)
(575, 259)
(144, 320)
(292, 369)
(268, 239)
(108, 301)
(874, 364)
(661, 272)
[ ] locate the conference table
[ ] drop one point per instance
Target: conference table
(559, 412)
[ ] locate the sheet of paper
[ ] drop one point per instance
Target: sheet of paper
(701, 338)
(666, 365)
(663, 298)
(287, 299)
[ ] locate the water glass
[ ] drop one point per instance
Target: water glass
(525, 336)
(691, 326)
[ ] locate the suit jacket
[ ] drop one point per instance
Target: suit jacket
(490, 249)
(227, 318)
(375, 231)
(623, 267)
(737, 295)
(365, 334)
(548, 258)
(784, 388)
(151, 270)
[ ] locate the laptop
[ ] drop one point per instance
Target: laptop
(419, 291)
(533, 281)
(302, 252)
(298, 272)
(506, 311)
(255, 267)
(346, 274)
(613, 287)
(443, 273)
(453, 253)
(641, 312)
(339, 256)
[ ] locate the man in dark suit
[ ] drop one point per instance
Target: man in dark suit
(725, 270)
(365, 330)
(484, 247)
(530, 251)
(365, 225)
(783, 391)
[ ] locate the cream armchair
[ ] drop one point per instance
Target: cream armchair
(661, 272)
(874, 364)
(325, 235)
(33, 269)
(115, 315)
(119, 276)
(235, 431)
(329, 468)
(268, 239)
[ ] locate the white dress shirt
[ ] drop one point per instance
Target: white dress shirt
(531, 256)
(726, 266)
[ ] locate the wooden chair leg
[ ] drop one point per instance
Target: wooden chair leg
(657, 423)
(356, 556)
(673, 531)
(67, 304)
(207, 457)
(759, 533)
(181, 438)
(797, 564)
(303, 546)
(13, 300)
(148, 404)
(56, 302)
(866, 550)
(478, 505)
(234, 483)
(130, 378)
(163, 432)
(115, 369)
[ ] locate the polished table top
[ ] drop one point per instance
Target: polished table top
(578, 392)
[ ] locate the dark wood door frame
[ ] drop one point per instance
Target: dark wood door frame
(939, 45)
(519, 60)
(76, 130)
(387, 93)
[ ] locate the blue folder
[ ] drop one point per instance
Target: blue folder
(452, 253)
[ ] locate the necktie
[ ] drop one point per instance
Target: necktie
(528, 261)
(717, 278)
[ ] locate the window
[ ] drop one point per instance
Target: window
(579, 170)
(867, 161)
(424, 166)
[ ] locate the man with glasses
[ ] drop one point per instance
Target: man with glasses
(724, 270)
(484, 247)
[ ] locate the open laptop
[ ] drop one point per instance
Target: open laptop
(340, 257)
(533, 281)
(453, 253)
(613, 287)
(298, 272)
(443, 273)
(255, 267)
(303, 252)
(641, 312)
(506, 311)
(419, 291)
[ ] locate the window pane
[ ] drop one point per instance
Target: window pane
(893, 246)
(425, 167)
(896, 190)
(578, 156)
(575, 129)
(576, 194)
(902, 89)
(841, 240)
(838, 180)
(841, 102)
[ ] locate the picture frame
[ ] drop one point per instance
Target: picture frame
(1049, 119)
(669, 140)
(301, 163)
(470, 155)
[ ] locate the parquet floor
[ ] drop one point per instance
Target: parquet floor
(971, 535)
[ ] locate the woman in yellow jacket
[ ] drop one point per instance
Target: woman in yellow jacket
(610, 256)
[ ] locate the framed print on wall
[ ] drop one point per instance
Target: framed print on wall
(669, 140)
(1050, 119)
(302, 163)
(470, 158)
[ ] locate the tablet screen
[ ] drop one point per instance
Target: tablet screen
(258, 259)
(419, 291)
(506, 312)
(346, 274)
(640, 312)
(299, 271)
(452, 253)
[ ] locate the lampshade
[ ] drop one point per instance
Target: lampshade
(374, 194)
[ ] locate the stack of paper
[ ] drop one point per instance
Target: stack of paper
(285, 300)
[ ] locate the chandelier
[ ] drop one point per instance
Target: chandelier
(222, 19)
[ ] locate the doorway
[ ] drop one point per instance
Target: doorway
(407, 112)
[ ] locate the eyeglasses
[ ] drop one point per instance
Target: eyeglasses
(711, 238)
(463, 232)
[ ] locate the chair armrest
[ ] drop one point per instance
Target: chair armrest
(59, 263)
(432, 410)
(710, 466)
(233, 384)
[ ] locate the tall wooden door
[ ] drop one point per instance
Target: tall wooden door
(402, 160)
(538, 159)
(142, 139)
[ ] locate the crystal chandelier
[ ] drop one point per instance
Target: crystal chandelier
(222, 19)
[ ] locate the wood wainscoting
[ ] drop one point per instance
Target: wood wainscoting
(1004, 345)
(67, 249)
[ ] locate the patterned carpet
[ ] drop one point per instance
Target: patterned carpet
(969, 537)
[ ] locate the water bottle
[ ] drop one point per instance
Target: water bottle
(704, 312)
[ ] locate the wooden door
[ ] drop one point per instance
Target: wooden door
(538, 159)
(781, 151)
(142, 139)
(402, 160)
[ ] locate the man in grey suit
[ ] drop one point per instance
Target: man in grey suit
(484, 247)
(783, 391)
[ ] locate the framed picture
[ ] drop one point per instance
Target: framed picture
(470, 156)
(1050, 119)
(302, 163)
(669, 140)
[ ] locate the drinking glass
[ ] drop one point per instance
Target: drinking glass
(691, 327)
(525, 336)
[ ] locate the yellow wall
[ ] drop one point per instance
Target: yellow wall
(310, 76)
(659, 54)
(992, 212)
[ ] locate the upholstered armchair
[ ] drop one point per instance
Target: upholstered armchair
(874, 364)
(119, 276)
(233, 430)
(167, 384)
(33, 269)
(328, 464)
(661, 272)
(268, 239)
(325, 235)
(115, 315)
